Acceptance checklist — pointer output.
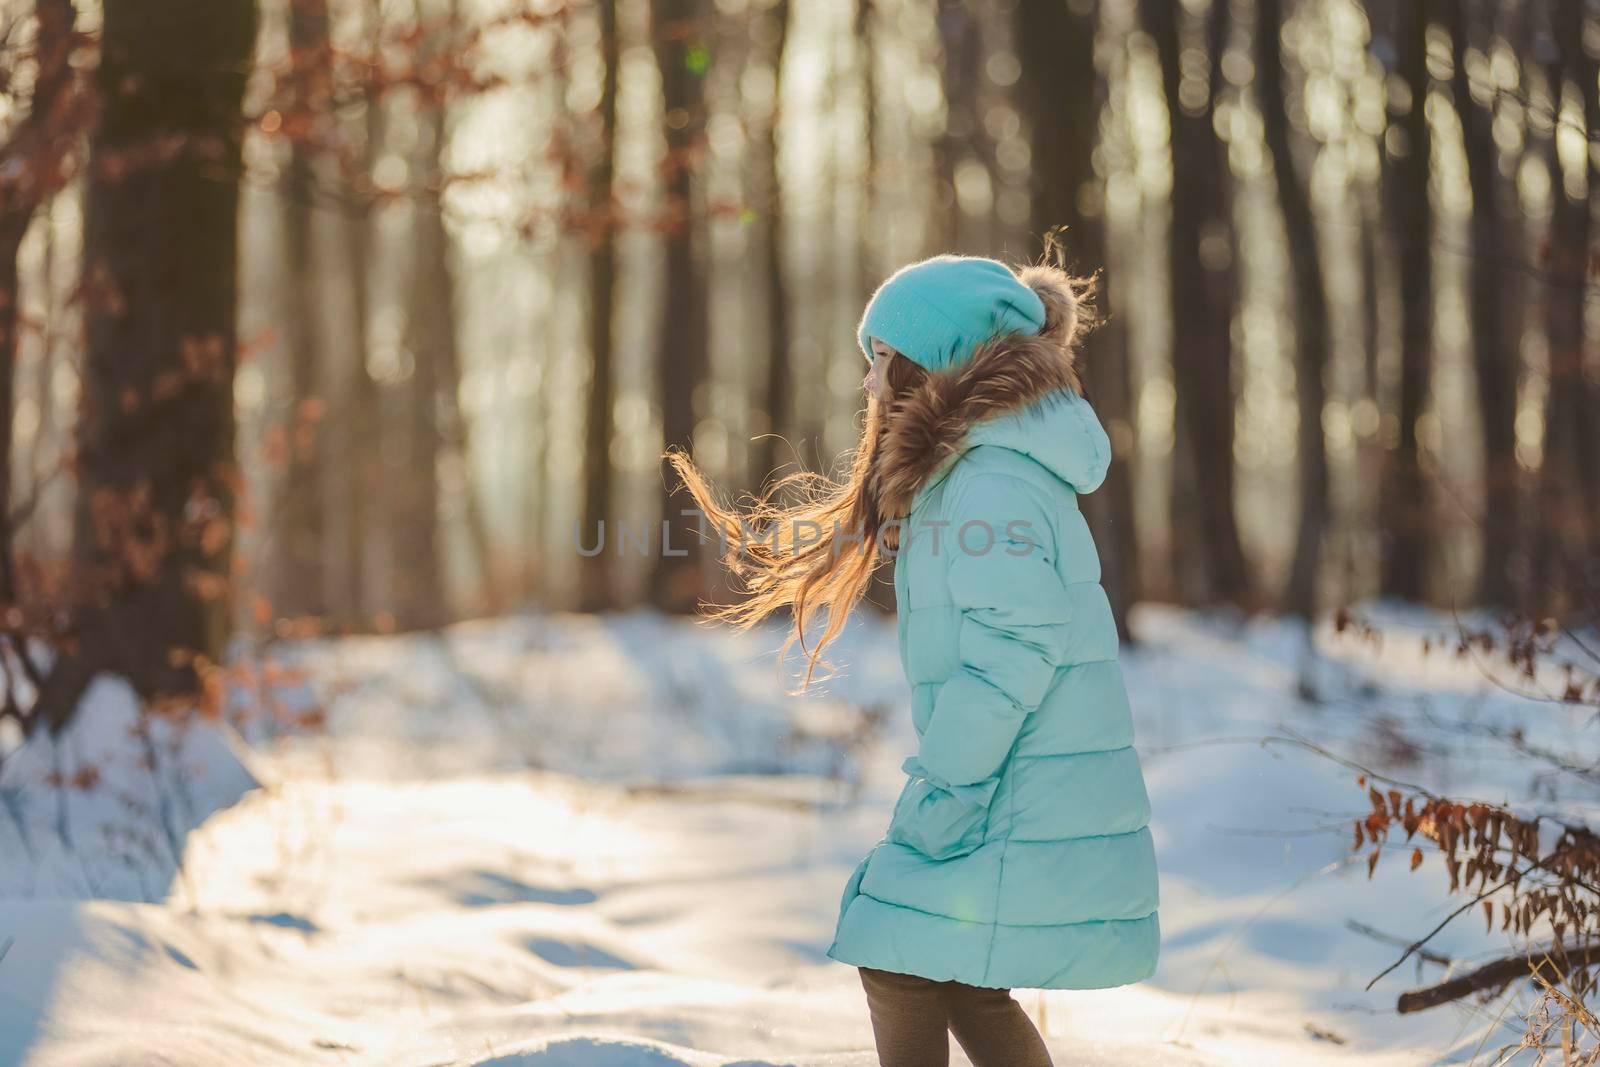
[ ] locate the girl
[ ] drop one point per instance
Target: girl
(1019, 852)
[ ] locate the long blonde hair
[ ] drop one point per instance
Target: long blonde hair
(780, 568)
(768, 549)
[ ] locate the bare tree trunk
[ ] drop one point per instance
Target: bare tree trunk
(1567, 531)
(594, 574)
(1494, 347)
(419, 588)
(1587, 70)
(354, 439)
(677, 581)
(300, 580)
(1352, 526)
(15, 216)
(1371, 319)
(814, 391)
(779, 398)
(1063, 98)
(419, 595)
(961, 38)
(1310, 315)
(154, 527)
(865, 252)
(1203, 297)
(1405, 512)
(457, 432)
(536, 505)
(881, 592)
(30, 159)
(355, 436)
(1186, 553)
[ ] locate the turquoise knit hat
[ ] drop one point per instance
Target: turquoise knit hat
(938, 310)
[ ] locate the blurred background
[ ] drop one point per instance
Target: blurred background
(351, 707)
(493, 257)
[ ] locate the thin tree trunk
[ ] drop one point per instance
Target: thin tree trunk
(156, 473)
(1355, 547)
(1494, 349)
(1587, 69)
(419, 588)
(300, 585)
(15, 215)
(814, 391)
(779, 400)
(1188, 555)
(865, 38)
(355, 436)
(1371, 317)
(354, 439)
(961, 39)
(594, 573)
(1568, 497)
(1063, 98)
(1405, 513)
(881, 592)
(536, 506)
(1310, 315)
(457, 432)
(676, 580)
(31, 158)
(1203, 297)
(430, 330)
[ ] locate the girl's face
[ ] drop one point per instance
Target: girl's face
(877, 380)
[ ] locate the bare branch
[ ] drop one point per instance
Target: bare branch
(1498, 975)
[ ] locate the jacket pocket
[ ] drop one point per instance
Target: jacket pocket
(941, 822)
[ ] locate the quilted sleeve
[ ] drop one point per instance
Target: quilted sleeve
(1013, 623)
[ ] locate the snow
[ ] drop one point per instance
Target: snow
(572, 840)
(136, 785)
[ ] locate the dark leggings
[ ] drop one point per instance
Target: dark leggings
(913, 1017)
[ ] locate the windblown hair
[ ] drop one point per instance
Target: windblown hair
(811, 542)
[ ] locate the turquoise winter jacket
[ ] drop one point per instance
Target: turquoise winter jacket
(1019, 853)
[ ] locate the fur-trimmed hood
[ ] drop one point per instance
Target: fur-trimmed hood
(1017, 391)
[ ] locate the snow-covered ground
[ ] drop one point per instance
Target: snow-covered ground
(563, 840)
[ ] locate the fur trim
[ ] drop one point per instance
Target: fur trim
(1003, 374)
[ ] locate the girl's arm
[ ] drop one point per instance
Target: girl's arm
(1014, 620)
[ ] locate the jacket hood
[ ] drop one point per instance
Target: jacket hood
(1016, 390)
(1059, 431)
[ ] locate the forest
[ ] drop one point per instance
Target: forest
(341, 342)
